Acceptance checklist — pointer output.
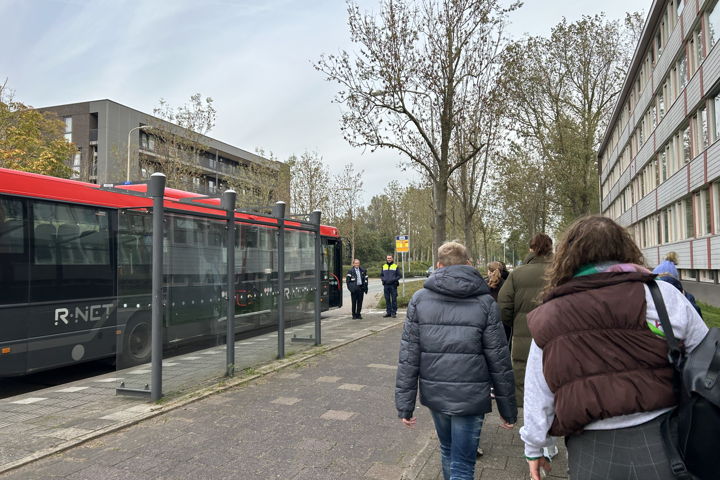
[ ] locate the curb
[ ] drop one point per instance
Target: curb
(188, 398)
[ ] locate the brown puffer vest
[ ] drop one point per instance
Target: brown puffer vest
(599, 357)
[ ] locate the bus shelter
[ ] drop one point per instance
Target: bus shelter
(205, 290)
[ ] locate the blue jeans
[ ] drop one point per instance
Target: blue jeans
(459, 438)
(390, 299)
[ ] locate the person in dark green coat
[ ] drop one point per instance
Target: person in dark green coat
(519, 294)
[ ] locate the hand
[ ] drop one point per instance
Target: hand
(506, 425)
(409, 422)
(536, 466)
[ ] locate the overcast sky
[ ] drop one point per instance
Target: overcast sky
(253, 57)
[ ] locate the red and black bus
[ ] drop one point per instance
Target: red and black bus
(75, 271)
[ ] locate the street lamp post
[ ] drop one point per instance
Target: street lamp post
(141, 127)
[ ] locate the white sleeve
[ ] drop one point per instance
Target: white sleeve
(686, 323)
(538, 405)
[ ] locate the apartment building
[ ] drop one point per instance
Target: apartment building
(659, 160)
(102, 129)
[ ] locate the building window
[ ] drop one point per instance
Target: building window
(147, 141)
(76, 166)
(707, 276)
(92, 168)
(688, 275)
(700, 130)
(68, 128)
(661, 104)
(713, 25)
(703, 210)
(686, 151)
(682, 72)
(689, 221)
(715, 193)
(695, 49)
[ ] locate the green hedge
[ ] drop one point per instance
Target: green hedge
(403, 300)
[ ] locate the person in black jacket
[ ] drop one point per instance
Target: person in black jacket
(357, 283)
(453, 346)
(390, 277)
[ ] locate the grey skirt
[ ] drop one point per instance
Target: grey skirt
(633, 453)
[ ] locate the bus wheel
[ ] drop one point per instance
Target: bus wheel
(137, 344)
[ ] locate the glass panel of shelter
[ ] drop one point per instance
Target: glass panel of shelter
(299, 290)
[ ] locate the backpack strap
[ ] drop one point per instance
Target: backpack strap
(675, 354)
(669, 434)
(669, 426)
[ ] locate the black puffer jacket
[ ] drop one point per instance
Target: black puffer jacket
(454, 344)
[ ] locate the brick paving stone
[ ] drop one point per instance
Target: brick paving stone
(337, 415)
(381, 471)
(351, 386)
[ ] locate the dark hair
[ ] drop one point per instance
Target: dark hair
(541, 244)
(590, 239)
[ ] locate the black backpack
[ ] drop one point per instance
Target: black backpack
(691, 432)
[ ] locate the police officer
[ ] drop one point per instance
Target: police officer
(390, 276)
(357, 283)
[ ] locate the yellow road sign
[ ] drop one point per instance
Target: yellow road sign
(402, 243)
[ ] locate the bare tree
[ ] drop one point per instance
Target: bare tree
(347, 190)
(309, 183)
(178, 139)
(415, 78)
(467, 184)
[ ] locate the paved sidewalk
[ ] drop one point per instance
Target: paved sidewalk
(45, 421)
(329, 417)
(323, 415)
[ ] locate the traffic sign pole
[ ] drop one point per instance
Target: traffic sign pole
(402, 246)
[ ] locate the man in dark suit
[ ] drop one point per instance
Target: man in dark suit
(357, 283)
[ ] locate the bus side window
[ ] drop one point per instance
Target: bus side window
(45, 245)
(13, 252)
(68, 240)
(77, 239)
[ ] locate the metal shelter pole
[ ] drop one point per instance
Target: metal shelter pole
(156, 189)
(315, 220)
(228, 203)
(278, 212)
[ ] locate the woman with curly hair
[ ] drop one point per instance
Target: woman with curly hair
(598, 372)
(494, 278)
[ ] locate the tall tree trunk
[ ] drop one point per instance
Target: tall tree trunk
(469, 233)
(440, 192)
